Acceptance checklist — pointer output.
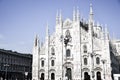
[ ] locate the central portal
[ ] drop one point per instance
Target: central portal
(69, 74)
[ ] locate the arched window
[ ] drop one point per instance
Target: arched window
(42, 76)
(85, 61)
(84, 48)
(97, 60)
(52, 63)
(52, 51)
(42, 63)
(68, 53)
(52, 76)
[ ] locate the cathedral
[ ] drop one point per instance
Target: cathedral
(77, 50)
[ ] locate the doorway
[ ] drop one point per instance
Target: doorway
(42, 76)
(69, 74)
(52, 76)
(98, 76)
(86, 76)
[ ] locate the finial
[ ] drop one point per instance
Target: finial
(47, 30)
(77, 9)
(74, 14)
(91, 14)
(91, 10)
(60, 14)
(36, 40)
(57, 15)
(74, 11)
(106, 32)
(91, 4)
(78, 14)
(98, 24)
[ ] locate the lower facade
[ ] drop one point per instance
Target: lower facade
(69, 73)
(14, 76)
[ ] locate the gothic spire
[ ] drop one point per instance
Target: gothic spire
(36, 42)
(98, 24)
(91, 10)
(106, 33)
(47, 31)
(74, 14)
(36, 39)
(78, 14)
(60, 16)
(57, 17)
(91, 14)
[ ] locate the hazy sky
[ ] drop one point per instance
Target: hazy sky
(20, 20)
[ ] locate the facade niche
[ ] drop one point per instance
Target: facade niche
(85, 61)
(97, 60)
(68, 53)
(84, 48)
(52, 63)
(52, 51)
(42, 63)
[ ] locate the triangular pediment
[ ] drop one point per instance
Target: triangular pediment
(67, 23)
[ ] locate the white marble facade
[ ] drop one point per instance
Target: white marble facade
(77, 50)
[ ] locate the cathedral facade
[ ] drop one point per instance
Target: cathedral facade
(77, 50)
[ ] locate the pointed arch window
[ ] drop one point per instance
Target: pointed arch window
(97, 60)
(42, 63)
(52, 51)
(52, 62)
(68, 53)
(42, 76)
(85, 61)
(85, 48)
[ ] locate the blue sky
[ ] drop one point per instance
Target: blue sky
(20, 20)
